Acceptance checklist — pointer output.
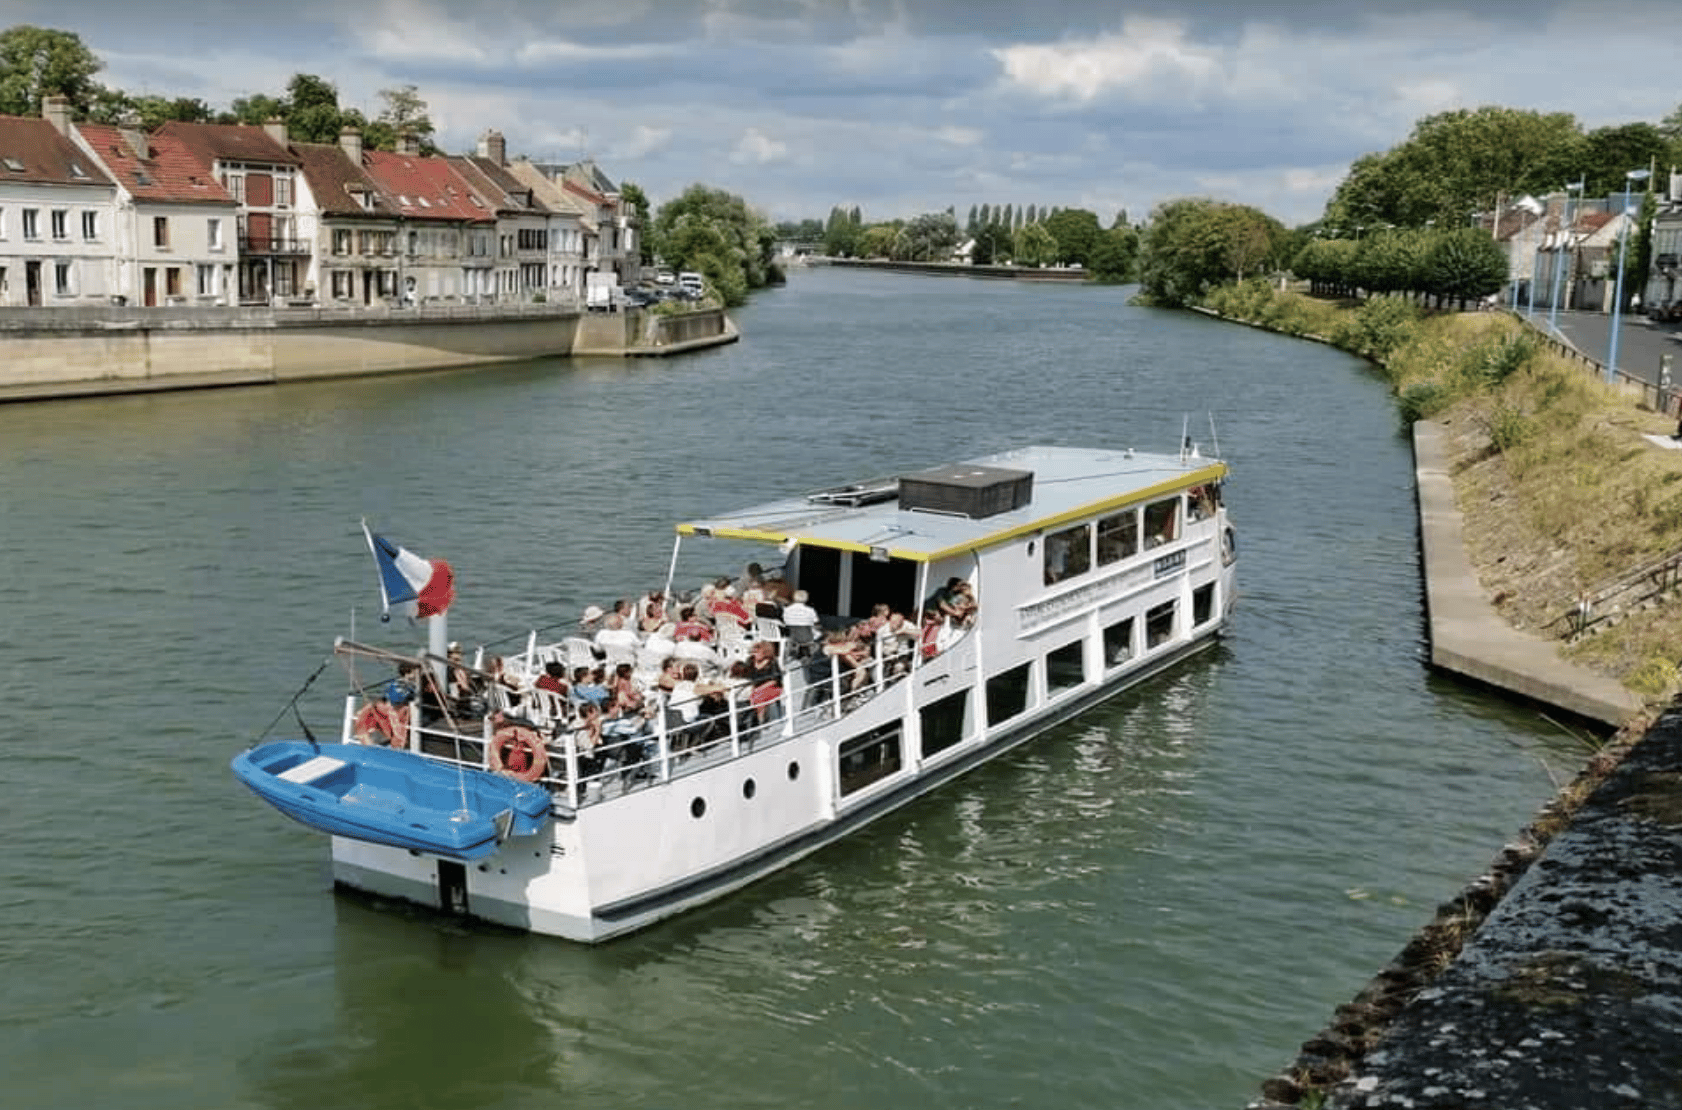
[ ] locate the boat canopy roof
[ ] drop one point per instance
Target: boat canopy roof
(1020, 491)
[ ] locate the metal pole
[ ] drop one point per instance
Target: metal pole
(1618, 288)
(1559, 248)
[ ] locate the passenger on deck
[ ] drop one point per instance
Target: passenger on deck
(553, 679)
(503, 684)
(965, 604)
(934, 624)
(690, 626)
(588, 687)
(384, 721)
(752, 578)
(896, 642)
(763, 673)
(622, 688)
(692, 649)
(727, 607)
(653, 611)
(948, 600)
(614, 635)
(853, 658)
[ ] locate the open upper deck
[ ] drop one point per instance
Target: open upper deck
(1063, 484)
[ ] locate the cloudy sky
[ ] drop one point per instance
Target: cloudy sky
(907, 106)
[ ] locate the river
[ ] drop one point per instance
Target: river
(1149, 906)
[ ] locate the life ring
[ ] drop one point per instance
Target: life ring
(382, 726)
(1229, 546)
(518, 752)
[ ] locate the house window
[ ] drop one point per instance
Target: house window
(283, 190)
(61, 279)
(206, 279)
(341, 241)
(213, 232)
(160, 232)
(344, 285)
(2, 223)
(61, 224)
(172, 281)
(90, 226)
(283, 280)
(236, 186)
(31, 223)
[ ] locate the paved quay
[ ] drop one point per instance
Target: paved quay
(1468, 637)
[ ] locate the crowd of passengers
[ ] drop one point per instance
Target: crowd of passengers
(702, 660)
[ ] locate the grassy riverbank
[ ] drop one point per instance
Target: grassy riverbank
(1559, 492)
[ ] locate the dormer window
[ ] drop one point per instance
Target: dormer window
(76, 170)
(13, 164)
(424, 203)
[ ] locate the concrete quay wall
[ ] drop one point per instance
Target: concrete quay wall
(50, 353)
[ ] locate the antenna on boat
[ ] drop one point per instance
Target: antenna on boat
(1186, 449)
(1213, 438)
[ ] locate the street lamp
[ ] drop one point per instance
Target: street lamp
(1618, 296)
(1553, 298)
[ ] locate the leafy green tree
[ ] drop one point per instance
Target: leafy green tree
(1458, 161)
(985, 216)
(312, 109)
(709, 226)
(258, 108)
(1076, 231)
(631, 193)
(1035, 246)
(405, 113)
(1115, 255)
(1611, 152)
(1192, 244)
(1464, 264)
(1030, 216)
(841, 234)
(37, 62)
(877, 240)
(927, 238)
(993, 245)
(969, 224)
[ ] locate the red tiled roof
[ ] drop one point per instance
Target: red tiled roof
(426, 188)
(499, 187)
(169, 173)
(231, 142)
(32, 150)
(334, 179)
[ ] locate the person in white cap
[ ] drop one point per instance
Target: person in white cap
(592, 615)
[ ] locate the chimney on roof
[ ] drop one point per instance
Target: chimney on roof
(55, 110)
(493, 146)
(275, 127)
(408, 143)
(350, 140)
(1675, 185)
(135, 136)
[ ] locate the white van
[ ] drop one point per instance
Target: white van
(692, 281)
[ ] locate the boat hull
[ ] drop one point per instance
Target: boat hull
(511, 889)
(392, 798)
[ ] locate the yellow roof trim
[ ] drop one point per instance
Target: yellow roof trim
(1211, 473)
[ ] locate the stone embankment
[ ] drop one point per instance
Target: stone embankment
(1554, 980)
(53, 353)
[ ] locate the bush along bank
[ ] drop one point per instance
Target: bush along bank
(1564, 503)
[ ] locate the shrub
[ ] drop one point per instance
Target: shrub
(1508, 427)
(1654, 678)
(1421, 401)
(1383, 324)
(1505, 354)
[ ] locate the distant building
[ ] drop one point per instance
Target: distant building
(57, 214)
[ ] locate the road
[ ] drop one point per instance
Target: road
(1642, 344)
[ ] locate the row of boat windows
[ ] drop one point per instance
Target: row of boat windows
(1074, 551)
(874, 755)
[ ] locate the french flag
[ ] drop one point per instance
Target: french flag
(410, 586)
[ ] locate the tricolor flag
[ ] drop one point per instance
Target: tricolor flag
(410, 586)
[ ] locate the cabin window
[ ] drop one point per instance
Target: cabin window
(1068, 553)
(1162, 522)
(1201, 502)
(869, 758)
(1065, 668)
(1118, 642)
(1007, 694)
(1159, 624)
(1202, 604)
(943, 722)
(1118, 537)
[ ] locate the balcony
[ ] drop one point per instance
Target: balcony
(261, 244)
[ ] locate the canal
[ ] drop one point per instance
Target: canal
(1149, 906)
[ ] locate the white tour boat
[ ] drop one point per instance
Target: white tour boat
(1090, 570)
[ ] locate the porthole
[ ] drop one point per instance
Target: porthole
(793, 771)
(698, 807)
(748, 789)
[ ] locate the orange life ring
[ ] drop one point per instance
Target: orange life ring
(518, 752)
(377, 724)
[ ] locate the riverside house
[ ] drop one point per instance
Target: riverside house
(610, 244)
(522, 221)
(351, 224)
(261, 175)
(449, 235)
(172, 238)
(566, 231)
(57, 209)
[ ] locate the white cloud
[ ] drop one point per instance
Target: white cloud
(641, 142)
(419, 31)
(546, 51)
(757, 148)
(1141, 56)
(960, 136)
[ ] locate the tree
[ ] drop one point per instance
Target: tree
(404, 114)
(877, 240)
(1464, 264)
(37, 62)
(841, 234)
(631, 193)
(1076, 231)
(969, 224)
(1611, 152)
(716, 233)
(927, 238)
(1455, 162)
(992, 244)
(312, 109)
(258, 108)
(1035, 246)
(1115, 254)
(1192, 244)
